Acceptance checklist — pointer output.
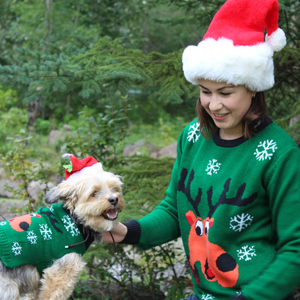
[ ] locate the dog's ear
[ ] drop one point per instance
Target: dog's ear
(64, 191)
(51, 196)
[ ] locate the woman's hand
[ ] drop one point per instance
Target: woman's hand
(119, 232)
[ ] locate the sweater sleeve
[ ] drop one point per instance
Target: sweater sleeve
(162, 225)
(283, 274)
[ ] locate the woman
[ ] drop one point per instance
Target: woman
(234, 192)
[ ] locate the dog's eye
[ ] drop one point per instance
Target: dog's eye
(116, 189)
(94, 194)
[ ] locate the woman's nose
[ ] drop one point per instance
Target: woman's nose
(215, 103)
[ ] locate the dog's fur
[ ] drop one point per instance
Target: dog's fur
(88, 200)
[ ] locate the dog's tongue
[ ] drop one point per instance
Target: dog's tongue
(112, 213)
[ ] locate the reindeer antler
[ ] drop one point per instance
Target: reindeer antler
(50, 215)
(237, 200)
(187, 189)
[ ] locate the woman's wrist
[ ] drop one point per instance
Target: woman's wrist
(133, 232)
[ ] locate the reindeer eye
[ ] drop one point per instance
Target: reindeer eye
(206, 227)
(199, 228)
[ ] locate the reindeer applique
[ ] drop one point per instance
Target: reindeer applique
(216, 263)
(22, 223)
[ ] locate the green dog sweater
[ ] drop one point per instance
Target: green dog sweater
(236, 205)
(39, 238)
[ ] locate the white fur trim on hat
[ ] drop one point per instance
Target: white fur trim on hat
(221, 61)
(277, 40)
(94, 169)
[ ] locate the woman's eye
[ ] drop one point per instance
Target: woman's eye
(205, 92)
(225, 94)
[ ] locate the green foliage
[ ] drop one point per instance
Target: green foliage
(18, 165)
(284, 97)
(43, 127)
(163, 132)
(166, 70)
(133, 273)
(70, 64)
(8, 98)
(12, 117)
(145, 182)
(99, 136)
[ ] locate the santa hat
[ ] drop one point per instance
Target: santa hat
(234, 50)
(87, 165)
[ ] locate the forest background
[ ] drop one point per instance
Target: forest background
(112, 71)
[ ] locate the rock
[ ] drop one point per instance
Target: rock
(7, 204)
(2, 173)
(35, 187)
(54, 136)
(170, 150)
(139, 147)
(67, 127)
(3, 192)
(294, 120)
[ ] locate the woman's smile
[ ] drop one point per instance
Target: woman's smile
(220, 117)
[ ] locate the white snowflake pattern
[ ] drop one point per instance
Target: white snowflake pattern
(70, 226)
(32, 237)
(213, 167)
(194, 133)
(45, 232)
(240, 222)
(267, 149)
(51, 208)
(207, 297)
(246, 253)
(3, 223)
(16, 248)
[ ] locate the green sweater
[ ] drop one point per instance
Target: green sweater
(39, 238)
(236, 206)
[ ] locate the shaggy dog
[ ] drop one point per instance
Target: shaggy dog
(46, 262)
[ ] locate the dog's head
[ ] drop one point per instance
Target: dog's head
(94, 198)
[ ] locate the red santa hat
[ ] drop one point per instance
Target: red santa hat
(234, 49)
(87, 165)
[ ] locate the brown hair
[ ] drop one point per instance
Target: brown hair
(257, 112)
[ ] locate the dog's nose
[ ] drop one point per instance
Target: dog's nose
(113, 200)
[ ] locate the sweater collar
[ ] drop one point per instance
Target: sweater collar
(236, 142)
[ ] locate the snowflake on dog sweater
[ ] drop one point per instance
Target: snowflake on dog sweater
(70, 226)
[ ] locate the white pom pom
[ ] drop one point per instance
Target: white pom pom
(277, 40)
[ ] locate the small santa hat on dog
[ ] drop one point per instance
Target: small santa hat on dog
(87, 165)
(234, 50)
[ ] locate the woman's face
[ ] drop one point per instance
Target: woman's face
(226, 104)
